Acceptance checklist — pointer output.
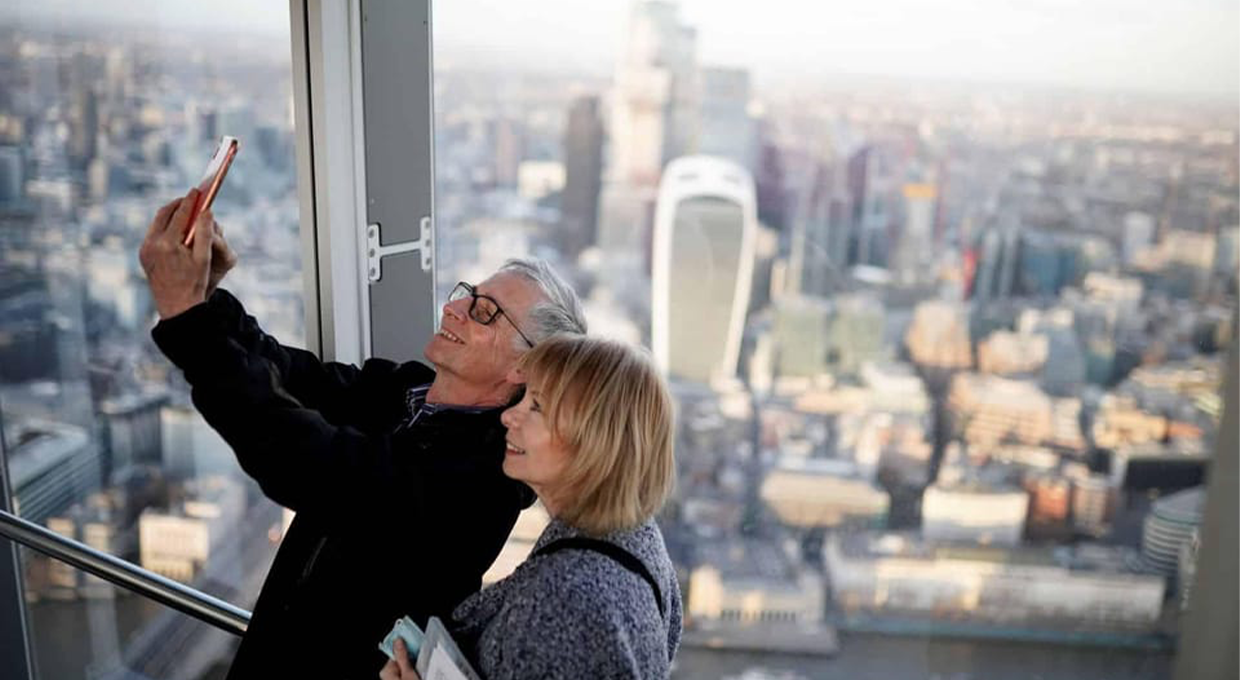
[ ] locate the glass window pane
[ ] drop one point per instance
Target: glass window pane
(105, 631)
(947, 342)
(107, 111)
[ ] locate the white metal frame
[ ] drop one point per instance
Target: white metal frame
(331, 175)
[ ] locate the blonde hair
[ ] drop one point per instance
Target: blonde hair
(607, 404)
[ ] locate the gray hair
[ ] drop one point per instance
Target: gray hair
(561, 312)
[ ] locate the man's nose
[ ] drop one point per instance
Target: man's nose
(457, 309)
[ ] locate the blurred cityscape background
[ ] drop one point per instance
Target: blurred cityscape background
(947, 354)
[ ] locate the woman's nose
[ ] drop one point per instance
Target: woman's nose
(508, 417)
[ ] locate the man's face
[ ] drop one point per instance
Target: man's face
(481, 354)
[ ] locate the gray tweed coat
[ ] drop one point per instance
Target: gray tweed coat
(576, 614)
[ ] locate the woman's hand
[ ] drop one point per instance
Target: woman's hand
(399, 668)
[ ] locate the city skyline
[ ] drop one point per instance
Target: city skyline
(979, 327)
(1144, 47)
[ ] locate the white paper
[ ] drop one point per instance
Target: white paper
(441, 659)
(441, 667)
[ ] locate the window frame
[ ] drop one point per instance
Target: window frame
(1207, 643)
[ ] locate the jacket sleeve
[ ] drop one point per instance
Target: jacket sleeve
(299, 457)
(370, 398)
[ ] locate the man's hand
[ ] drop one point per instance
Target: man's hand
(178, 275)
(223, 259)
(399, 668)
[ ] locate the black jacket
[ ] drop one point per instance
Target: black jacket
(390, 520)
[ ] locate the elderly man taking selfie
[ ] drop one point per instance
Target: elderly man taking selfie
(394, 469)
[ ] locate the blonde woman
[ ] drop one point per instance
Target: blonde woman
(598, 597)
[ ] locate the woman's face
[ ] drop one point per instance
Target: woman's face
(534, 455)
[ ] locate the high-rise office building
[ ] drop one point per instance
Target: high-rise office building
(583, 171)
(771, 185)
(652, 112)
(84, 127)
(997, 263)
(857, 182)
(655, 88)
(1064, 371)
(705, 228)
(911, 263)
(871, 184)
(509, 148)
(132, 431)
(725, 128)
(820, 225)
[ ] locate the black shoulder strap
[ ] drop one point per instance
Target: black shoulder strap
(615, 552)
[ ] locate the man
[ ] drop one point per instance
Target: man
(394, 470)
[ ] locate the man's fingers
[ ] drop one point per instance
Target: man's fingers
(390, 671)
(180, 218)
(221, 249)
(161, 218)
(204, 236)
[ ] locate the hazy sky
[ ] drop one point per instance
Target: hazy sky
(1152, 45)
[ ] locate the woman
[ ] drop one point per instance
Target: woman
(593, 438)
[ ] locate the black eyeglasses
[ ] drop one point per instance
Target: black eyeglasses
(483, 308)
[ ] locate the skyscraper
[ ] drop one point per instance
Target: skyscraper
(705, 228)
(653, 101)
(771, 189)
(818, 252)
(652, 110)
(84, 127)
(509, 150)
(583, 168)
(997, 263)
(870, 184)
(725, 129)
(915, 249)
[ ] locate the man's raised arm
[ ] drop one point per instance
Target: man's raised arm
(183, 282)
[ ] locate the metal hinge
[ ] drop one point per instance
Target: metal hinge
(375, 252)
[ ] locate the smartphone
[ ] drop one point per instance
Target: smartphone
(211, 180)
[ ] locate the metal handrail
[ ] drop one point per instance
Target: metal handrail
(211, 610)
